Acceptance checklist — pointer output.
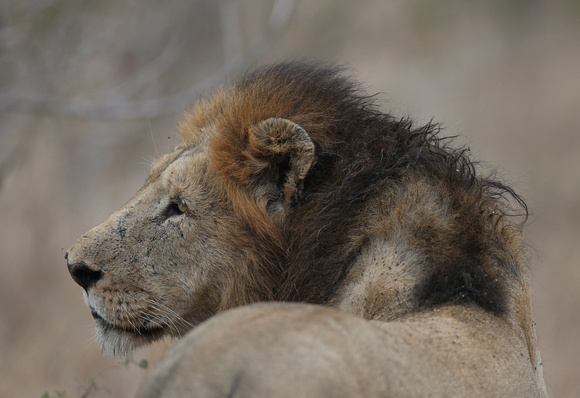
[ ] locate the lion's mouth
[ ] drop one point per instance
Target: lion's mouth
(149, 332)
(96, 315)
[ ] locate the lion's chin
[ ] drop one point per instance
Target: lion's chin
(119, 341)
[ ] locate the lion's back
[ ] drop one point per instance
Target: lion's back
(290, 350)
(266, 350)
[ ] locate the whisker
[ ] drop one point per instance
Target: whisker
(174, 318)
(152, 137)
(135, 328)
(166, 320)
(153, 319)
(178, 317)
(158, 319)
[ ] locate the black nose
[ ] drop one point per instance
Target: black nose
(83, 275)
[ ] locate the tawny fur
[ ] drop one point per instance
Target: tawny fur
(291, 185)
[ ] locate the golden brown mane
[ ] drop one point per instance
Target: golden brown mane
(360, 153)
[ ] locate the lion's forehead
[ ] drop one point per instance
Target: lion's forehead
(180, 165)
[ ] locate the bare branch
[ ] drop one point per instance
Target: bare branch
(151, 71)
(123, 109)
(17, 155)
(231, 29)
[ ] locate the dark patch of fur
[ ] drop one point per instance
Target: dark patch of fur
(362, 153)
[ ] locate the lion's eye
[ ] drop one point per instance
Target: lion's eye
(176, 209)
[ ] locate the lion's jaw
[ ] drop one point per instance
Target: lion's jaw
(146, 270)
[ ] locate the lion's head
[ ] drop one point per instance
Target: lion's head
(281, 183)
(181, 249)
(152, 268)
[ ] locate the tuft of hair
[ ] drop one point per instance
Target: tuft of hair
(362, 154)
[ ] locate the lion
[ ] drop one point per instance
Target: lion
(301, 242)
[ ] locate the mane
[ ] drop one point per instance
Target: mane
(361, 154)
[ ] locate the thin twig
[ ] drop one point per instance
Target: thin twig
(125, 109)
(233, 44)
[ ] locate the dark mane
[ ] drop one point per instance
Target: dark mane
(363, 154)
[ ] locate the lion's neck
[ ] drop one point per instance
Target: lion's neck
(380, 284)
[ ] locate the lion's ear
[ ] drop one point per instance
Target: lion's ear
(287, 153)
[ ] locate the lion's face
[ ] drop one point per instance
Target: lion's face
(185, 247)
(150, 269)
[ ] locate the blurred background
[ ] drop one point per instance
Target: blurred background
(91, 91)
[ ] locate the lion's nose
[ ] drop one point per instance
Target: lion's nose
(82, 274)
